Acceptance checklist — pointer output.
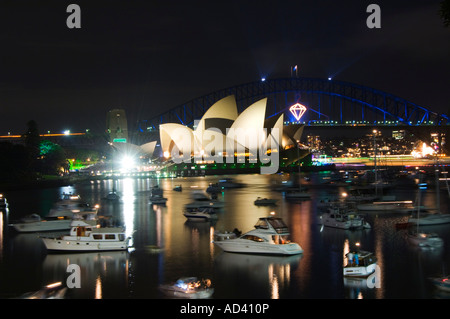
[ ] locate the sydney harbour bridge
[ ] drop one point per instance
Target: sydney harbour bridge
(342, 103)
(328, 103)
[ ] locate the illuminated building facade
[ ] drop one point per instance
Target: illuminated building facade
(116, 125)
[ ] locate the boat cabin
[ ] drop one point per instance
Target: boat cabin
(275, 223)
(365, 259)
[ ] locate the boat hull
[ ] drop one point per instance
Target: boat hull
(247, 247)
(435, 219)
(200, 217)
(57, 244)
(42, 226)
(359, 271)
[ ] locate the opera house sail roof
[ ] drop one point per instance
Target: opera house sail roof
(225, 133)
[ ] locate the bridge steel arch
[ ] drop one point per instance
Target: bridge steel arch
(343, 103)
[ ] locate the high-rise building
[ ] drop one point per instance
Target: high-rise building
(116, 125)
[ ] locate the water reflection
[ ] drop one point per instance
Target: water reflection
(168, 247)
(266, 276)
(128, 212)
(98, 270)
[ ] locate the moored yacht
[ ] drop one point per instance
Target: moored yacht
(35, 223)
(201, 214)
(425, 240)
(429, 219)
(270, 236)
(188, 288)
(339, 217)
(360, 264)
(85, 237)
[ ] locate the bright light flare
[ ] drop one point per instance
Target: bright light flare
(127, 162)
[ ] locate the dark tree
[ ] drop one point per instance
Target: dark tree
(32, 143)
(444, 12)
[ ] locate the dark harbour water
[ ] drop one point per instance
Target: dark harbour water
(187, 249)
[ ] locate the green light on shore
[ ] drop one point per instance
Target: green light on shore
(120, 140)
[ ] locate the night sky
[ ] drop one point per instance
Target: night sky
(150, 56)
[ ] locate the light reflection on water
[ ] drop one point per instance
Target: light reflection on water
(166, 246)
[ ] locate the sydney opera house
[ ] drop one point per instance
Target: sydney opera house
(221, 136)
(224, 136)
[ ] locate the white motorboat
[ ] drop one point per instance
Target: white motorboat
(201, 214)
(188, 288)
(425, 240)
(202, 200)
(338, 217)
(442, 283)
(265, 201)
(158, 200)
(35, 223)
(3, 202)
(429, 219)
(84, 237)
(361, 265)
(270, 236)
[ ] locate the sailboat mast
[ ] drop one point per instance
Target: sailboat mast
(375, 161)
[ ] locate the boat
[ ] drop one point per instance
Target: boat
(340, 217)
(69, 203)
(362, 194)
(3, 202)
(361, 265)
(387, 203)
(270, 236)
(424, 240)
(84, 237)
(202, 200)
(188, 288)
(442, 283)
(158, 200)
(178, 188)
(426, 219)
(229, 183)
(112, 196)
(201, 214)
(224, 235)
(265, 201)
(35, 223)
(429, 218)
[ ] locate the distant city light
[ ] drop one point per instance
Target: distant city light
(263, 79)
(67, 132)
(329, 78)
